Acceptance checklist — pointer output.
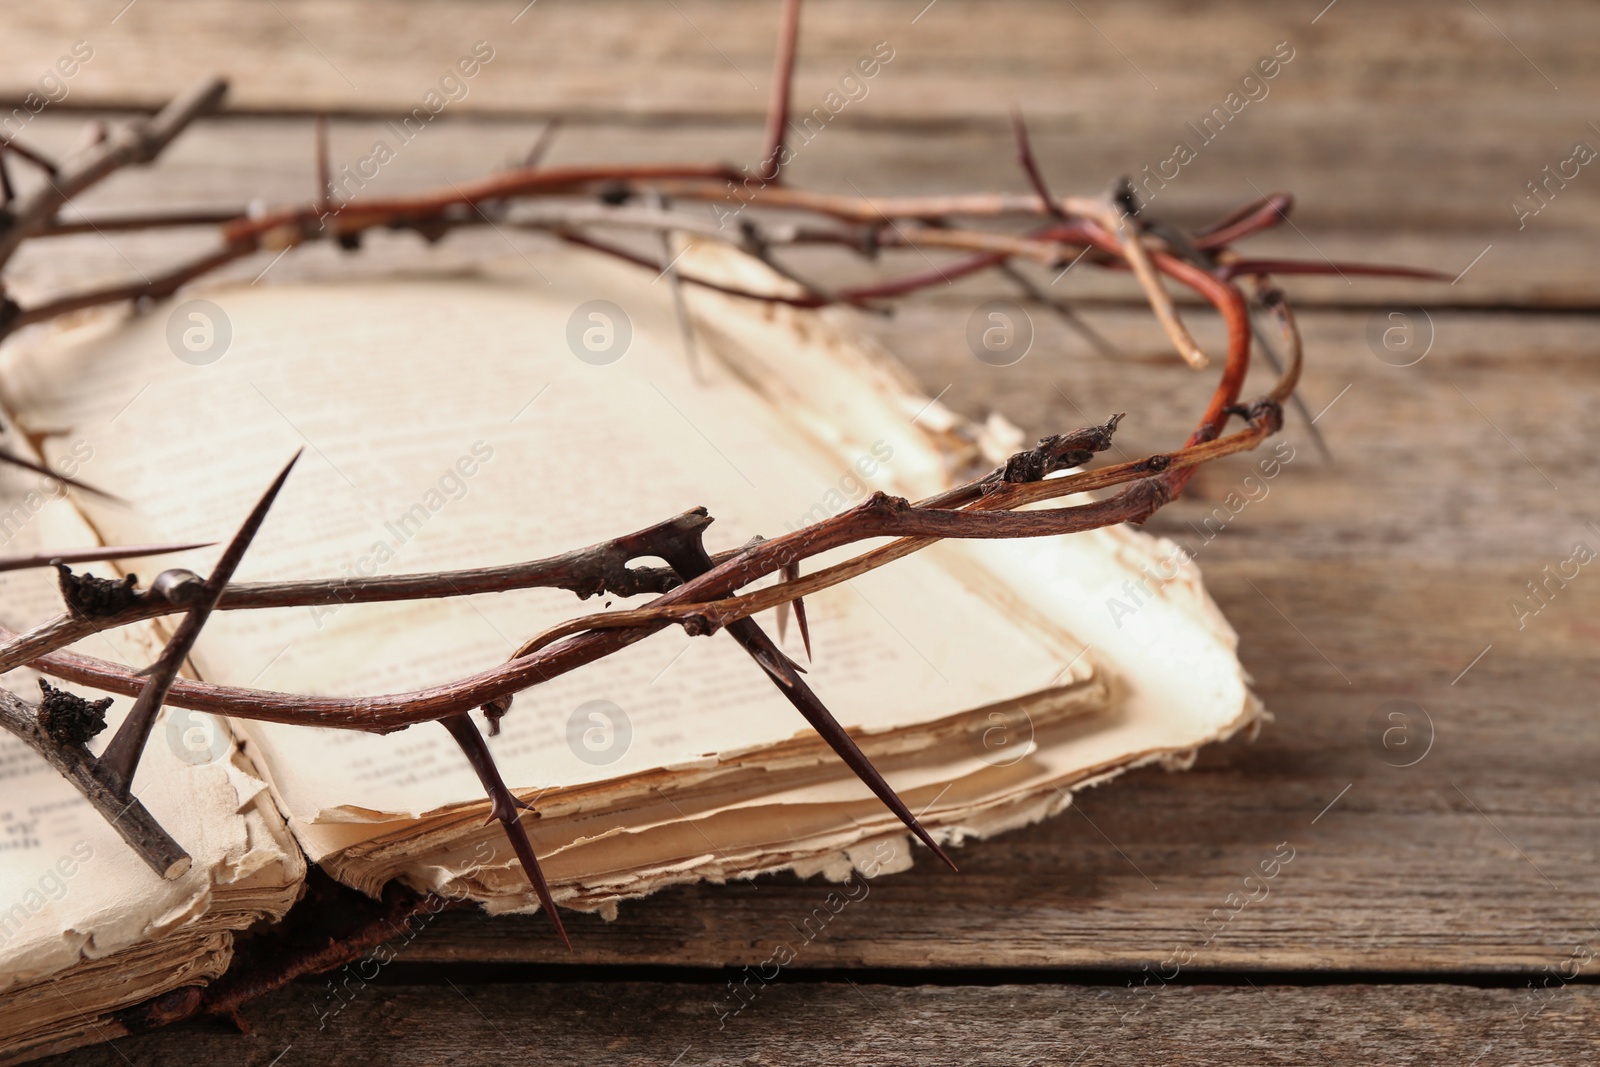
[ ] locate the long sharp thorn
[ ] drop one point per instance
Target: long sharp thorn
(1295, 398)
(324, 164)
(1254, 217)
(774, 667)
(1307, 266)
(1063, 310)
(93, 555)
(547, 137)
(691, 561)
(780, 666)
(1030, 165)
(758, 644)
(680, 306)
(8, 456)
(38, 159)
(800, 621)
(121, 756)
(504, 807)
(791, 573)
(1254, 208)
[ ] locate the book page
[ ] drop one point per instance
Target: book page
(78, 1007)
(70, 888)
(467, 422)
(1175, 681)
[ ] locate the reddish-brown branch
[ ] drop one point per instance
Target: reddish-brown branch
(771, 166)
(880, 516)
(705, 595)
(291, 225)
(162, 285)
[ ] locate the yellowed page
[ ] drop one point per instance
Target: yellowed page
(449, 423)
(70, 889)
(769, 805)
(77, 1007)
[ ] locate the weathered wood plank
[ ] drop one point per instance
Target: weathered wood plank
(1422, 116)
(834, 1022)
(953, 60)
(1388, 123)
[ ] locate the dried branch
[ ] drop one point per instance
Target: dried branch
(698, 592)
(1126, 229)
(135, 221)
(136, 143)
(162, 285)
(879, 516)
(74, 763)
(599, 569)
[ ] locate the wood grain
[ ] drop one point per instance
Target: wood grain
(1386, 575)
(848, 1022)
(1405, 132)
(954, 61)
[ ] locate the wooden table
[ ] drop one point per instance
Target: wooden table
(1434, 912)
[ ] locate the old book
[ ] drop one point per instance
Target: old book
(515, 413)
(86, 927)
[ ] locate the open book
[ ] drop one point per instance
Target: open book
(513, 414)
(86, 927)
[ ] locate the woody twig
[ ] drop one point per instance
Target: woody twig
(698, 592)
